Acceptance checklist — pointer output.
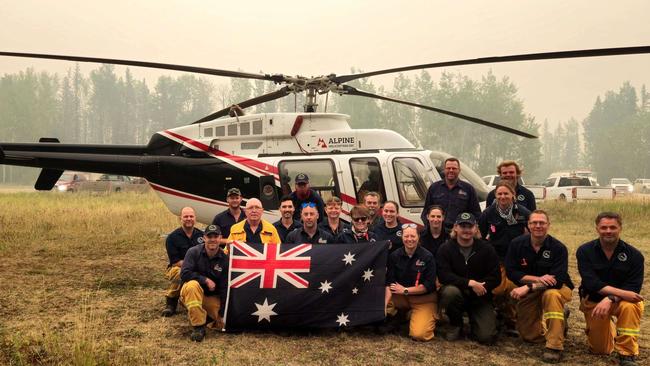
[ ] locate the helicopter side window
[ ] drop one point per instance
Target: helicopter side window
(366, 174)
(257, 127)
(220, 131)
(232, 130)
(411, 184)
(321, 173)
(207, 132)
(245, 129)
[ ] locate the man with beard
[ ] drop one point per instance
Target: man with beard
(232, 215)
(303, 194)
(177, 244)
(309, 232)
(452, 194)
(372, 201)
(510, 172)
(286, 224)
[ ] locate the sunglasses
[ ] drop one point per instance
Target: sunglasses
(359, 219)
(308, 204)
(406, 226)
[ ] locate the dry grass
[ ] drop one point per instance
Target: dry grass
(83, 285)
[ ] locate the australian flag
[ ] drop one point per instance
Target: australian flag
(305, 286)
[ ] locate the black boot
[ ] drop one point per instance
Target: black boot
(198, 333)
(170, 308)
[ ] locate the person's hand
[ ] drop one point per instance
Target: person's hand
(396, 288)
(519, 292)
(218, 323)
(630, 296)
(602, 309)
(211, 285)
(547, 280)
(477, 287)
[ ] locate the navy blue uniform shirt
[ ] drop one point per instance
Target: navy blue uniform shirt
(460, 198)
(501, 234)
(326, 227)
(419, 269)
(199, 267)
(552, 259)
(524, 197)
(347, 236)
(177, 243)
(624, 270)
(428, 242)
(313, 197)
(299, 236)
(393, 235)
(284, 231)
(226, 220)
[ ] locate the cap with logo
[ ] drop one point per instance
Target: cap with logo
(465, 218)
(302, 178)
(212, 230)
(234, 192)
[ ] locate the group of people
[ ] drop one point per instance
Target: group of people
(498, 264)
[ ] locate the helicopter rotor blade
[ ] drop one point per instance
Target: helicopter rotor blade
(282, 92)
(498, 59)
(155, 65)
(354, 91)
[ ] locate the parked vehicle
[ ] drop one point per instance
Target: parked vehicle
(642, 186)
(114, 183)
(583, 173)
(69, 181)
(621, 185)
(538, 191)
(575, 188)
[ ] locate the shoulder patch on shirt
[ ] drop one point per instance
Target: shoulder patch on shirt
(622, 257)
(546, 254)
(521, 197)
(199, 240)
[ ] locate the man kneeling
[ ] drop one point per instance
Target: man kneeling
(205, 279)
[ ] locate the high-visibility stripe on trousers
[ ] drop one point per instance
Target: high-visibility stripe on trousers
(505, 304)
(199, 306)
(423, 313)
(173, 275)
(619, 331)
(540, 316)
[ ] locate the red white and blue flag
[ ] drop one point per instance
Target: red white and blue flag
(305, 286)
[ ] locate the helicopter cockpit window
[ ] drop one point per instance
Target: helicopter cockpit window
(257, 127)
(232, 130)
(245, 129)
(366, 176)
(220, 131)
(207, 132)
(411, 184)
(321, 173)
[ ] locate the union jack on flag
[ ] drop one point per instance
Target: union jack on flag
(269, 265)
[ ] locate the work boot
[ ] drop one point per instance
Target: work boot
(170, 308)
(626, 360)
(567, 312)
(453, 333)
(198, 333)
(551, 355)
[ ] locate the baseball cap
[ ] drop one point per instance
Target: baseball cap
(234, 191)
(212, 230)
(301, 178)
(465, 218)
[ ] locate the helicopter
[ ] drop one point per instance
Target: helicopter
(195, 165)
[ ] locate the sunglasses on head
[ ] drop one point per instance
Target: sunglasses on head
(308, 204)
(405, 226)
(359, 219)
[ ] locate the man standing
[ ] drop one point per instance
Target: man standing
(205, 280)
(232, 215)
(309, 232)
(452, 194)
(612, 275)
(334, 224)
(510, 172)
(303, 194)
(286, 224)
(468, 270)
(253, 229)
(538, 264)
(177, 244)
(372, 201)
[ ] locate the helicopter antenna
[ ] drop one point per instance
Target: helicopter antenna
(327, 97)
(415, 136)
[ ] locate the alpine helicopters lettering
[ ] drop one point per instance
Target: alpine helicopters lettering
(261, 154)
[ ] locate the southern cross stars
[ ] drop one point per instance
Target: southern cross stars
(367, 274)
(348, 259)
(325, 287)
(265, 311)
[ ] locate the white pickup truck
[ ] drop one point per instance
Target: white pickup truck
(538, 191)
(572, 189)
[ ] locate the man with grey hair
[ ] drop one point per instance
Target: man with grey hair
(254, 229)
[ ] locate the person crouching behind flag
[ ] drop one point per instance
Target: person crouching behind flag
(411, 284)
(205, 279)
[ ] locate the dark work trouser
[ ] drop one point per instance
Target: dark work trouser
(482, 318)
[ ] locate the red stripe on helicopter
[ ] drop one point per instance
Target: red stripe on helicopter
(257, 166)
(185, 195)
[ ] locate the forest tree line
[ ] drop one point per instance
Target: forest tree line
(107, 108)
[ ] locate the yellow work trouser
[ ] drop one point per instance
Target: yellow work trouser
(199, 306)
(173, 275)
(423, 311)
(540, 315)
(505, 304)
(606, 334)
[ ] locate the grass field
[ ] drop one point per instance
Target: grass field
(83, 285)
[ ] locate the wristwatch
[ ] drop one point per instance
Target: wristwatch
(406, 291)
(530, 286)
(612, 298)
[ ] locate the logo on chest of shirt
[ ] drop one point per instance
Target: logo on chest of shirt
(322, 241)
(546, 254)
(462, 193)
(217, 268)
(419, 263)
(622, 257)
(200, 240)
(521, 197)
(523, 262)
(399, 234)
